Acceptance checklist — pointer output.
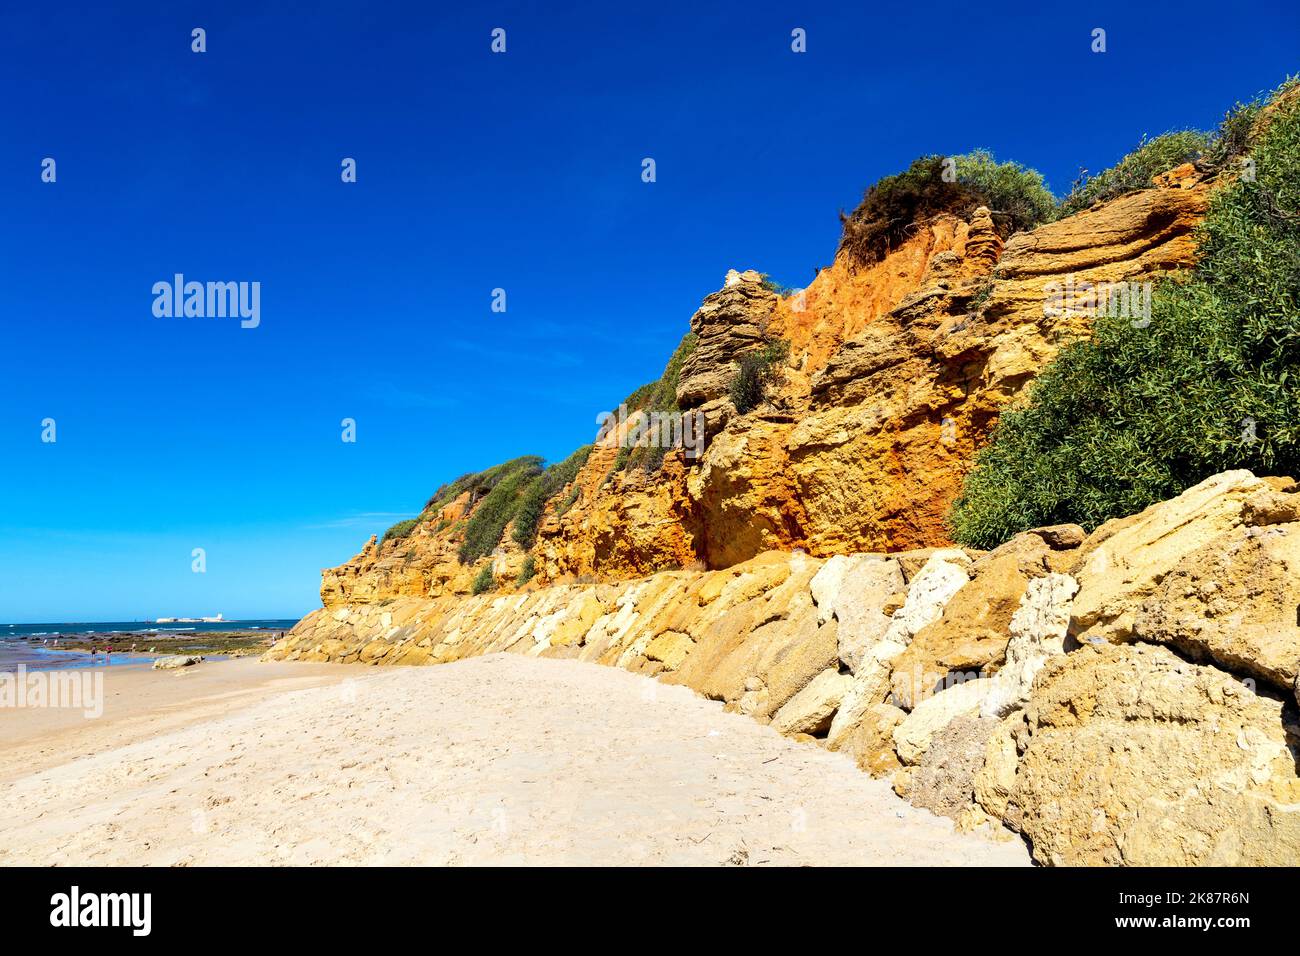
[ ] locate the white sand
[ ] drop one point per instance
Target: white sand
(494, 760)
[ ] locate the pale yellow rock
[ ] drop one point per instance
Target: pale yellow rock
(671, 648)
(995, 781)
(810, 710)
(1134, 756)
(1122, 562)
(912, 737)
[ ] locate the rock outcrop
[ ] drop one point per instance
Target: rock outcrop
(1132, 755)
(894, 376)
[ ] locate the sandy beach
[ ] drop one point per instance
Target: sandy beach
(496, 760)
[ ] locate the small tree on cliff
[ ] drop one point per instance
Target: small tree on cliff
(754, 372)
(485, 580)
(892, 208)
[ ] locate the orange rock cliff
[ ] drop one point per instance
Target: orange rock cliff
(894, 375)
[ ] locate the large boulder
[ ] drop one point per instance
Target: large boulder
(810, 711)
(1122, 562)
(1134, 756)
(944, 783)
(1214, 572)
(912, 737)
(176, 662)
(854, 590)
(1038, 631)
(1233, 602)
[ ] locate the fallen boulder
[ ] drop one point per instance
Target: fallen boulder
(176, 661)
(1134, 756)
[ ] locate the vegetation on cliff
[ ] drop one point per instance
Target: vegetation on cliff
(657, 396)
(540, 490)
(501, 503)
(890, 210)
(1136, 170)
(755, 372)
(1147, 408)
(399, 530)
(1211, 152)
(484, 581)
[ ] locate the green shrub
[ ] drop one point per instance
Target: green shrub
(1016, 196)
(484, 581)
(771, 285)
(497, 506)
(891, 209)
(570, 501)
(754, 372)
(660, 396)
(399, 530)
(1136, 170)
(541, 490)
(526, 572)
(1139, 414)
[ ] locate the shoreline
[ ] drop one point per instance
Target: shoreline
(133, 646)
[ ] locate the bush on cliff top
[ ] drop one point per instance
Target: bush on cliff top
(1211, 152)
(1136, 170)
(891, 210)
(1143, 411)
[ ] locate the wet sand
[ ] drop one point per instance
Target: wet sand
(494, 760)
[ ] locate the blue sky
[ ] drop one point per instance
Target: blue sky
(475, 171)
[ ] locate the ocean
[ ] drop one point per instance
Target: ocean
(32, 645)
(140, 627)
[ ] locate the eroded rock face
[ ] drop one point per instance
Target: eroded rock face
(895, 375)
(1134, 756)
(730, 322)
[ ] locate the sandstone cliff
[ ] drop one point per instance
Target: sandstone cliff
(1127, 696)
(894, 376)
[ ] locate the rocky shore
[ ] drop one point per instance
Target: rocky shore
(1121, 697)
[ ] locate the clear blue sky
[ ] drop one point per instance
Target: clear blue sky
(475, 171)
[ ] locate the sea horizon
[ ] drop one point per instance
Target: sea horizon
(68, 628)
